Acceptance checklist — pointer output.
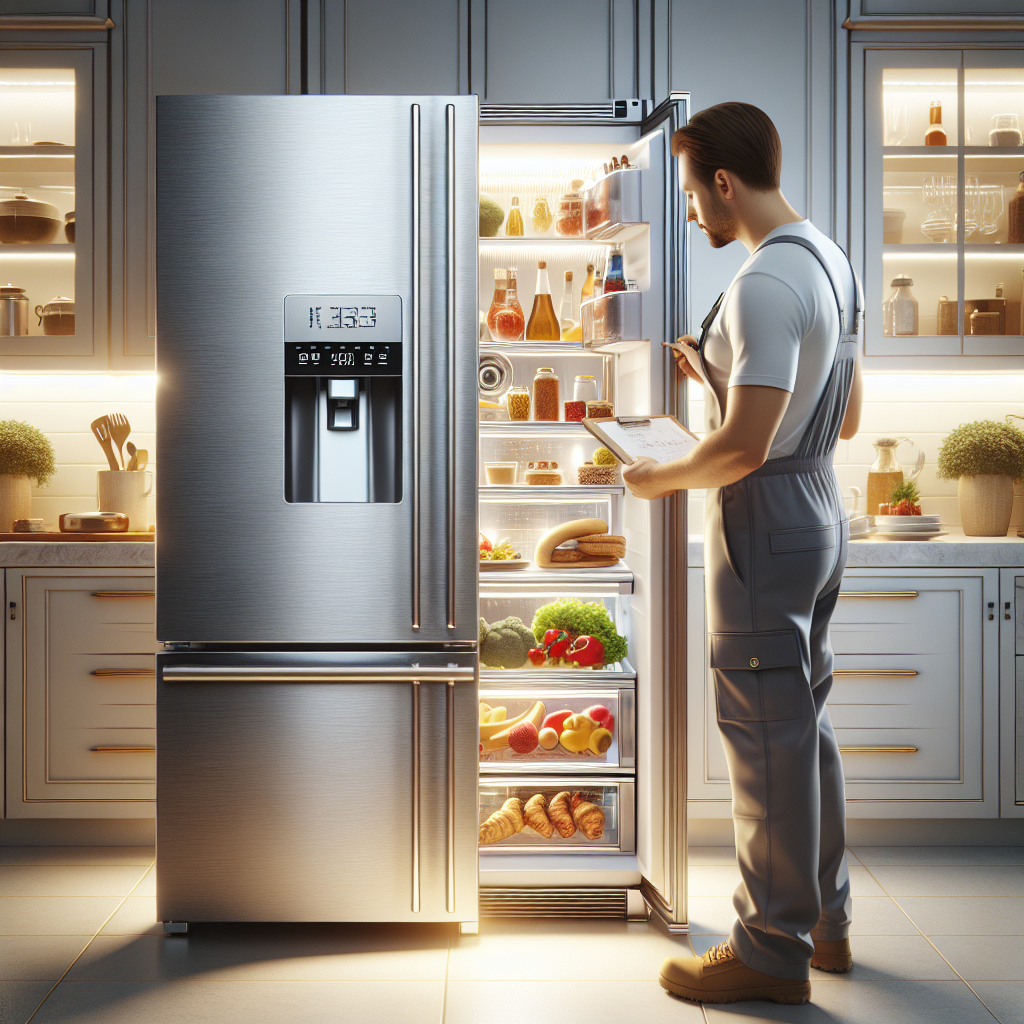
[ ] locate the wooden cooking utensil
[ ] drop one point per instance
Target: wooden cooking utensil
(141, 458)
(101, 431)
(120, 428)
(133, 462)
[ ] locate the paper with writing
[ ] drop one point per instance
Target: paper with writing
(662, 438)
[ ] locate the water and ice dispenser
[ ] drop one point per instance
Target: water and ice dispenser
(343, 398)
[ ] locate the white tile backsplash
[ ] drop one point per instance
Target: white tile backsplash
(62, 406)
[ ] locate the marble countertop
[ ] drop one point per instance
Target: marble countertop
(76, 554)
(954, 549)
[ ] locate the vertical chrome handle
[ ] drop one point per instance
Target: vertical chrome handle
(450, 275)
(415, 366)
(416, 796)
(450, 786)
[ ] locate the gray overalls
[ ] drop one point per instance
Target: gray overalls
(775, 550)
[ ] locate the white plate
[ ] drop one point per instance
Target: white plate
(916, 528)
(503, 564)
(894, 520)
(910, 536)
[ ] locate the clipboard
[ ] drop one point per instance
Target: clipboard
(662, 438)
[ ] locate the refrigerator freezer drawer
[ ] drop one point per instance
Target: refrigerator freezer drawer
(334, 787)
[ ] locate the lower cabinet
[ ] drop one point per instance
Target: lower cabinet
(1011, 711)
(914, 702)
(80, 693)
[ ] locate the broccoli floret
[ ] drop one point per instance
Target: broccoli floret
(582, 619)
(491, 217)
(505, 644)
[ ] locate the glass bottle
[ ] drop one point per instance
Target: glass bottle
(614, 278)
(510, 320)
(571, 330)
(497, 302)
(588, 285)
(935, 135)
(901, 309)
(543, 325)
(546, 398)
(1015, 215)
(885, 473)
(541, 215)
(514, 222)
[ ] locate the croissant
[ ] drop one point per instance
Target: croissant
(561, 815)
(536, 815)
(504, 822)
(587, 817)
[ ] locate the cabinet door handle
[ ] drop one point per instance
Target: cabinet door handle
(127, 749)
(115, 673)
(877, 750)
(124, 593)
(415, 505)
(879, 593)
(450, 302)
(874, 672)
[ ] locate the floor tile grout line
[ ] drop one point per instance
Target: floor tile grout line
(444, 991)
(90, 942)
(932, 944)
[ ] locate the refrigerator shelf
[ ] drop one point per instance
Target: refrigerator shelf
(532, 428)
(539, 241)
(618, 674)
(556, 581)
(563, 492)
(564, 348)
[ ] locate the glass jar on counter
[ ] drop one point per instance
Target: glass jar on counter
(546, 394)
(518, 401)
(900, 309)
(569, 213)
(543, 474)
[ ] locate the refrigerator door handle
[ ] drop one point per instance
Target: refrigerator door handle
(415, 366)
(315, 674)
(450, 282)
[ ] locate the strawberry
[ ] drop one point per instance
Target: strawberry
(905, 508)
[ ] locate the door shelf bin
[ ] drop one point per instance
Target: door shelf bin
(611, 318)
(615, 798)
(620, 755)
(612, 204)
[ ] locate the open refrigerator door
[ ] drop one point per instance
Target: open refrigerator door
(582, 766)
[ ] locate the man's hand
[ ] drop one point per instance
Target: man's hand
(681, 363)
(642, 479)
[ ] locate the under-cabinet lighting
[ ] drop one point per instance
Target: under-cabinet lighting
(922, 255)
(5, 254)
(1018, 256)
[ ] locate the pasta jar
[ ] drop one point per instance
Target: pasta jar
(518, 401)
(546, 401)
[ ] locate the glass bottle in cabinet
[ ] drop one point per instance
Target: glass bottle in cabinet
(935, 135)
(543, 325)
(509, 321)
(498, 300)
(900, 311)
(514, 221)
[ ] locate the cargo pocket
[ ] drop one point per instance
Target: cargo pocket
(805, 538)
(759, 677)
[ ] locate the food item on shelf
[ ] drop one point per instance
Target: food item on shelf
(545, 394)
(557, 643)
(498, 714)
(537, 656)
(501, 473)
(603, 545)
(1015, 215)
(600, 714)
(576, 733)
(558, 535)
(600, 741)
(579, 618)
(569, 213)
(541, 215)
(584, 388)
(485, 545)
(588, 474)
(491, 216)
(536, 815)
(984, 322)
(497, 299)
(569, 556)
(523, 738)
(947, 316)
(543, 474)
(505, 822)
(57, 316)
(510, 321)
(587, 816)
(506, 643)
(547, 739)
(543, 325)
(500, 739)
(514, 224)
(602, 409)
(556, 721)
(518, 401)
(575, 411)
(604, 457)
(615, 275)
(500, 552)
(585, 652)
(490, 729)
(560, 813)
(934, 134)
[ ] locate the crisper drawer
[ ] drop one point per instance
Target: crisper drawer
(528, 747)
(604, 819)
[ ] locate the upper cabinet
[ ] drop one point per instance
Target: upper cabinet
(943, 228)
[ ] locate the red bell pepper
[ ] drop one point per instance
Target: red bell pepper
(560, 648)
(586, 651)
(537, 655)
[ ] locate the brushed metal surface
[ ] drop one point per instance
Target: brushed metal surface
(416, 448)
(263, 196)
(295, 801)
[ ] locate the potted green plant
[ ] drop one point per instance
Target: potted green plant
(25, 455)
(985, 458)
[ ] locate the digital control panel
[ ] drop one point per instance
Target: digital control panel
(343, 359)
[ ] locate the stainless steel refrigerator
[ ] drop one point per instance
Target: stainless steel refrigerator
(316, 549)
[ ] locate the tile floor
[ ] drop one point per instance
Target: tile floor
(938, 937)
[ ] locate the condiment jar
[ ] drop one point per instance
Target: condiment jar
(543, 474)
(13, 311)
(57, 316)
(901, 309)
(600, 410)
(546, 401)
(984, 323)
(569, 213)
(1015, 215)
(518, 401)
(541, 215)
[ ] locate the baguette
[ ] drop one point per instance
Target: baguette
(563, 532)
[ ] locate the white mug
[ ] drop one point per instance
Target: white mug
(120, 490)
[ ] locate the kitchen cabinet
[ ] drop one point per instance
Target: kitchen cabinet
(1011, 695)
(81, 700)
(914, 703)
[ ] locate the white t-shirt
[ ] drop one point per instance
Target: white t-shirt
(778, 326)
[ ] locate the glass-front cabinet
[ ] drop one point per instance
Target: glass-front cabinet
(944, 202)
(52, 285)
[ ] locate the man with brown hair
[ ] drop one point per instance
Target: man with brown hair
(779, 351)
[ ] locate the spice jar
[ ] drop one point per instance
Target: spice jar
(1015, 215)
(590, 474)
(901, 309)
(541, 215)
(569, 213)
(546, 397)
(600, 410)
(518, 401)
(543, 474)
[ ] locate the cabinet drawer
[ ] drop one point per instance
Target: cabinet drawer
(93, 753)
(1018, 614)
(914, 619)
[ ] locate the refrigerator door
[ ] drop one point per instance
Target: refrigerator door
(313, 787)
(295, 505)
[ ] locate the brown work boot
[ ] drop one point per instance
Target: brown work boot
(720, 977)
(835, 957)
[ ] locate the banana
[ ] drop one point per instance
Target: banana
(485, 710)
(500, 739)
(498, 714)
(488, 729)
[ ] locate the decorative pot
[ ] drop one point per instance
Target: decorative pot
(15, 499)
(986, 502)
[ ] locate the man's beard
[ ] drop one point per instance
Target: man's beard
(718, 224)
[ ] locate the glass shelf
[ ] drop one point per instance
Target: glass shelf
(533, 428)
(562, 348)
(565, 492)
(618, 579)
(618, 674)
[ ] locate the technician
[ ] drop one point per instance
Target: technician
(779, 350)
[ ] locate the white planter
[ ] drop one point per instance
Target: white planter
(15, 499)
(985, 502)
